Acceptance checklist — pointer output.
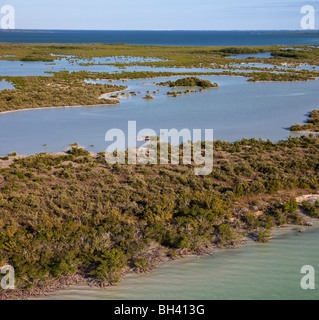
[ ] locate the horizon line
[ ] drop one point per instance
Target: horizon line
(166, 30)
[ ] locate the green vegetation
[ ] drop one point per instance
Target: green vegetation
(174, 93)
(254, 76)
(230, 51)
(312, 209)
(296, 54)
(12, 154)
(171, 56)
(189, 82)
(59, 90)
(178, 93)
(74, 214)
(312, 124)
(70, 89)
(285, 76)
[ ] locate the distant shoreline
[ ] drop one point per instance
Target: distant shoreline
(102, 96)
(165, 37)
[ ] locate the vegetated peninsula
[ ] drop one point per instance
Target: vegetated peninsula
(70, 88)
(190, 82)
(72, 217)
(312, 124)
(62, 89)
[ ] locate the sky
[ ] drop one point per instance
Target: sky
(159, 14)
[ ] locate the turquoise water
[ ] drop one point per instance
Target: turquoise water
(252, 271)
(237, 109)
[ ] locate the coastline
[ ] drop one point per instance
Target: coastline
(75, 106)
(117, 100)
(78, 279)
(160, 254)
(83, 284)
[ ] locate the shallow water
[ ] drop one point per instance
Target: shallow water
(112, 59)
(237, 109)
(72, 64)
(252, 271)
(6, 85)
(40, 68)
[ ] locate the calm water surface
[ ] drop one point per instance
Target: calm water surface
(5, 85)
(252, 55)
(237, 109)
(40, 68)
(252, 271)
(183, 38)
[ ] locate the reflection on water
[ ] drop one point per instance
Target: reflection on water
(252, 271)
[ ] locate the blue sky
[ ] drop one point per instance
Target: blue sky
(159, 14)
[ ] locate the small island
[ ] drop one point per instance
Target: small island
(148, 97)
(189, 82)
